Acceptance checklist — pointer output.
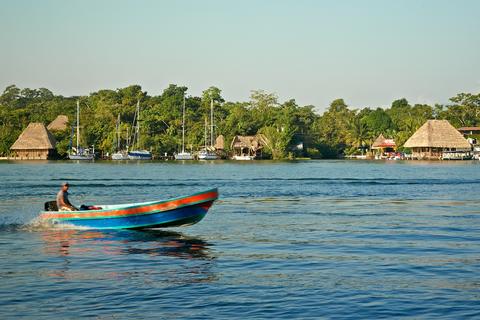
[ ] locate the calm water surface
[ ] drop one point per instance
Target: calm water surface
(318, 239)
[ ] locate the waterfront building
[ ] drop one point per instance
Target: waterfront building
(34, 143)
(247, 147)
(470, 131)
(438, 139)
(220, 147)
(472, 134)
(383, 147)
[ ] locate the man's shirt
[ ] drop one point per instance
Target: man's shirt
(62, 195)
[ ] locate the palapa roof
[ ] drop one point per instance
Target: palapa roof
(220, 143)
(437, 134)
(382, 142)
(35, 136)
(251, 142)
(59, 124)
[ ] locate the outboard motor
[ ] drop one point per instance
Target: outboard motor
(51, 206)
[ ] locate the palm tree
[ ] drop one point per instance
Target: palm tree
(357, 135)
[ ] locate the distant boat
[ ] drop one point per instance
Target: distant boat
(243, 157)
(206, 153)
(138, 154)
(183, 155)
(176, 212)
(119, 154)
(80, 153)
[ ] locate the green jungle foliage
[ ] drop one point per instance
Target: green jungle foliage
(339, 131)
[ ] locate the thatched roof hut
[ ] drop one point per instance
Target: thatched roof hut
(247, 145)
(437, 134)
(249, 142)
(435, 137)
(383, 143)
(59, 124)
(35, 142)
(220, 143)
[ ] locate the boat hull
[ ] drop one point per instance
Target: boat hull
(184, 156)
(139, 155)
(81, 156)
(207, 156)
(119, 156)
(176, 212)
(243, 158)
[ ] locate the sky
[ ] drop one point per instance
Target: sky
(368, 52)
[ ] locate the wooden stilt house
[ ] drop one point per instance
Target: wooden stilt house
(247, 147)
(435, 139)
(34, 143)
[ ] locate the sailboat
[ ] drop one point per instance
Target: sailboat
(183, 155)
(207, 153)
(80, 153)
(138, 154)
(119, 154)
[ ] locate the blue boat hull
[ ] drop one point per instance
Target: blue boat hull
(139, 155)
(174, 218)
(181, 211)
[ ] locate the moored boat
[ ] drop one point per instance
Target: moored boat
(79, 153)
(243, 157)
(181, 211)
(81, 156)
(208, 152)
(184, 155)
(137, 153)
(207, 155)
(120, 156)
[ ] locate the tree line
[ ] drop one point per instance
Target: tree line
(291, 130)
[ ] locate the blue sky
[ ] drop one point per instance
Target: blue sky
(368, 52)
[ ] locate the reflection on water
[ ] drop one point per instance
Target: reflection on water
(151, 242)
(150, 249)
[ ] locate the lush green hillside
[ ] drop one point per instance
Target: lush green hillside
(339, 130)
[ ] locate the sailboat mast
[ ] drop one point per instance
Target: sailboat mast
(78, 124)
(206, 124)
(211, 122)
(128, 139)
(118, 132)
(137, 128)
(183, 126)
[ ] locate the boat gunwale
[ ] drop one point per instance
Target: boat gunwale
(133, 206)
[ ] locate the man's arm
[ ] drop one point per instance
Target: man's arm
(67, 202)
(61, 202)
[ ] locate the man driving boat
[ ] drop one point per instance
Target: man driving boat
(63, 203)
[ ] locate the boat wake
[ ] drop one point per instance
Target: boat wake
(38, 225)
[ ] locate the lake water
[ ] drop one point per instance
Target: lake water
(313, 239)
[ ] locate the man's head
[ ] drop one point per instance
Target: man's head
(65, 186)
